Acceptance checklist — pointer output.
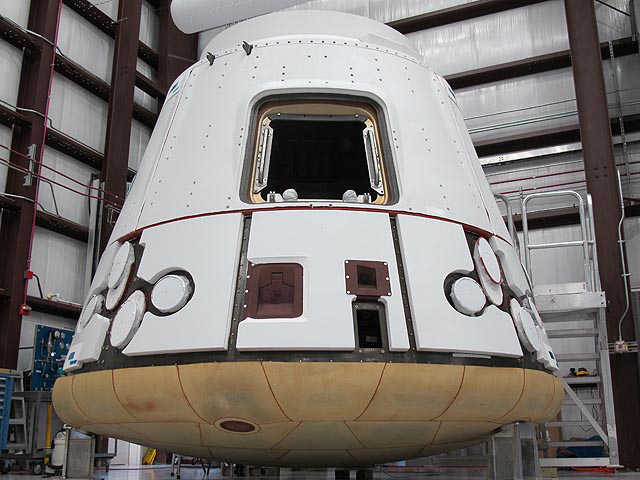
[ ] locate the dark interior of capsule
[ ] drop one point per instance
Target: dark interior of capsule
(319, 159)
(368, 326)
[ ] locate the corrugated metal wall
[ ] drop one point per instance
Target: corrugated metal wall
(58, 260)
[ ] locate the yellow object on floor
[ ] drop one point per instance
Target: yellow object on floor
(149, 457)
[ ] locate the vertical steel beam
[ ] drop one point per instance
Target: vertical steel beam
(14, 252)
(177, 50)
(600, 173)
(123, 77)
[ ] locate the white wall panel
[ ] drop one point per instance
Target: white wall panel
(381, 10)
(85, 44)
(71, 206)
(612, 24)
(59, 261)
(546, 100)
(387, 11)
(144, 100)
(11, 67)
(149, 26)
(28, 331)
(493, 39)
(140, 135)
(16, 10)
(78, 113)
(5, 139)
(110, 7)
(632, 235)
(140, 97)
(502, 108)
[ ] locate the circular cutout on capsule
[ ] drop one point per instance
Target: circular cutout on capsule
(467, 296)
(127, 320)
(121, 266)
(526, 327)
(486, 260)
(171, 293)
(94, 305)
(237, 425)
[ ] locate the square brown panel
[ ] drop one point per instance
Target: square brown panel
(366, 278)
(274, 290)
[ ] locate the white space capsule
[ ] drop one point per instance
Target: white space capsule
(310, 268)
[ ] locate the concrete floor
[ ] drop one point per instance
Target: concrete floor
(196, 473)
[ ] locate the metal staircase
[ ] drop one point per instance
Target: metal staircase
(577, 311)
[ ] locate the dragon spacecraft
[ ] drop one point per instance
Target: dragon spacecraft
(310, 268)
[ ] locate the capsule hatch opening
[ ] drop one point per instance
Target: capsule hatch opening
(318, 150)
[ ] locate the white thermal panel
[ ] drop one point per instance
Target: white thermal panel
(433, 249)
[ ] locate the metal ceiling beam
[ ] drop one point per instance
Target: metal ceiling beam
(16, 36)
(106, 24)
(123, 78)
(57, 224)
(81, 76)
(545, 138)
(53, 223)
(533, 65)
(458, 13)
(602, 183)
(150, 87)
(90, 82)
(75, 149)
(561, 217)
(9, 117)
(51, 307)
(16, 232)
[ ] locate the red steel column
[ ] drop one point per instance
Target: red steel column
(600, 173)
(123, 77)
(14, 251)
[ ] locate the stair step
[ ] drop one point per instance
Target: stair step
(16, 446)
(572, 332)
(583, 380)
(576, 357)
(568, 423)
(586, 443)
(586, 401)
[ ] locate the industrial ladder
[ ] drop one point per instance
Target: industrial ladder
(6, 388)
(17, 438)
(577, 310)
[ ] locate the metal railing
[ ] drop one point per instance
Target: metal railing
(586, 241)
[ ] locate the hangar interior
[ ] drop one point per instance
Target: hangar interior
(84, 81)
